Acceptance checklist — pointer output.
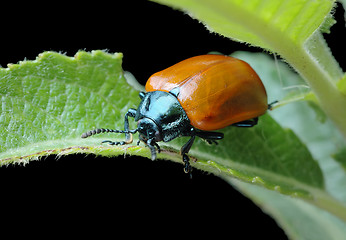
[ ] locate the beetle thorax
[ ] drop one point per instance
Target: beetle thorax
(161, 111)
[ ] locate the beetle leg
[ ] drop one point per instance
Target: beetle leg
(184, 151)
(128, 135)
(158, 147)
(246, 123)
(271, 105)
(187, 146)
(130, 113)
(146, 142)
(187, 166)
(141, 95)
(141, 139)
(153, 152)
(210, 137)
(152, 144)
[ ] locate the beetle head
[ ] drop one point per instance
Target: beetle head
(148, 129)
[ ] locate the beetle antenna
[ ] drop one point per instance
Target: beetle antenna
(106, 130)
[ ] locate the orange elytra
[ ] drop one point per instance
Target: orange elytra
(214, 90)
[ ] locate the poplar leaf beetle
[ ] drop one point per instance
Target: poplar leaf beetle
(193, 98)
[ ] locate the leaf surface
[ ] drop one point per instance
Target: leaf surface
(262, 23)
(299, 219)
(48, 103)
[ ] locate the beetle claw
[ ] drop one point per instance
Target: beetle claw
(187, 166)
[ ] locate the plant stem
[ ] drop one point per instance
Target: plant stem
(319, 50)
(333, 206)
(321, 72)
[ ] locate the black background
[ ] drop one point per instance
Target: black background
(116, 196)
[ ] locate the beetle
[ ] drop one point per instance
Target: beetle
(194, 98)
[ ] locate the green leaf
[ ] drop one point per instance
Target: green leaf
(48, 103)
(260, 22)
(341, 157)
(323, 141)
(342, 84)
(299, 219)
(321, 137)
(266, 155)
